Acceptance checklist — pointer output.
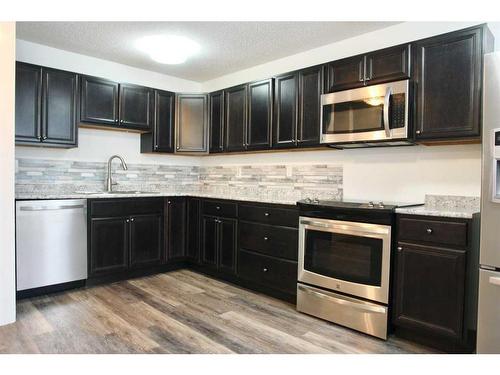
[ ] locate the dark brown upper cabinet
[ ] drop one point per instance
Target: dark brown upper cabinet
(136, 107)
(448, 78)
(46, 106)
(120, 106)
(248, 116)
(235, 114)
(297, 99)
(388, 64)
(191, 123)
(260, 114)
(161, 139)
(216, 119)
(99, 101)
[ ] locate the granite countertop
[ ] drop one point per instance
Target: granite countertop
(92, 195)
(445, 206)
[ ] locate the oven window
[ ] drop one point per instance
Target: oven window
(354, 116)
(344, 257)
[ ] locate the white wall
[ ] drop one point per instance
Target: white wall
(98, 145)
(7, 245)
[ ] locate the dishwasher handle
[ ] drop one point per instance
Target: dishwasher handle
(49, 208)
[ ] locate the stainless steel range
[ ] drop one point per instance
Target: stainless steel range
(344, 263)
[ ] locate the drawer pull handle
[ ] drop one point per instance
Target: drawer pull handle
(264, 270)
(400, 248)
(217, 208)
(429, 230)
(266, 238)
(266, 214)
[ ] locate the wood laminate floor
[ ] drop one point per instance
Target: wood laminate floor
(178, 312)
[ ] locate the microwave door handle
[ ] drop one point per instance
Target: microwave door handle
(387, 103)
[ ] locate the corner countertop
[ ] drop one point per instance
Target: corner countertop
(445, 206)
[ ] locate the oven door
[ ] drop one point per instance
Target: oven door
(344, 256)
(372, 113)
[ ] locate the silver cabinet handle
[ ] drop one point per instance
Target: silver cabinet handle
(387, 98)
(266, 238)
(400, 248)
(266, 214)
(429, 230)
(495, 280)
(128, 221)
(132, 219)
(264, 269)
(217, 208)
(418, 132)
(48, 208)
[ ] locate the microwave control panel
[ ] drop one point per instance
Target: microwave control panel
(398, 111)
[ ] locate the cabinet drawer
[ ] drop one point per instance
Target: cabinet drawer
(125, 206)
(271, 240)
(268, 271)
(435, 231)
(269, 215)
(219, 208)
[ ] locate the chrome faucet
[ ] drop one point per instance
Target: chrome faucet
(109, 181)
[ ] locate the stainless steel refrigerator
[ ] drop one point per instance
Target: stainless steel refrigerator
(488, 327)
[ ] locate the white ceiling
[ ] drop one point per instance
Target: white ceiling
(226, 47)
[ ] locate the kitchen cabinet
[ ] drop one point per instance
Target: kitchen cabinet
(448, 71)
(136, 106)
(146, 240)
(235, 114)
(193, 241)
(161, 139)
(218, 238)
(121, 106)
(99, 101)
(191, 123)
(216, 118)
(109, 245)
(176, 228)
(435, 281)
(124, 234)
(46, 106)
(389, 64)
(260, 111)
(297, 106)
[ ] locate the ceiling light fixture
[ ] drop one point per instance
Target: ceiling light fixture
(168, 49)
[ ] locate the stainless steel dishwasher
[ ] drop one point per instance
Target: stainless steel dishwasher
(51, 242)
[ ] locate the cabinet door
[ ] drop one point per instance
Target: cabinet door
(146, 240)
(109, 247)
(99, 101)
(136, 107)
(28, 103)
(59, 109)
(227, 245)
(216, 116)
(429, 292)
(191, 123)
(164, 121)
(209, 241)
(310, 90)
(448, 73)
(260, 114)
(346, 73)
(389, 64)
(193, 229)
(235, 112)
(176, 228)
(285, 111)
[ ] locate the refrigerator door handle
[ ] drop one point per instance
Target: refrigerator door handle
(495, 280)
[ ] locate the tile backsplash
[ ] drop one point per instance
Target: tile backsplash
(262, 182)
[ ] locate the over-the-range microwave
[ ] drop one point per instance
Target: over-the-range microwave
(368, 116)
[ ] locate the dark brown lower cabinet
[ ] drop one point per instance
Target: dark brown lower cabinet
(146, 240)
(193, 235)
(435, 282)
(175, 212)
(218, 243)
(109, 245)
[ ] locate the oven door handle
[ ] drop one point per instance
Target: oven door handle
(387, 103)
(314, 223)
(339, 301)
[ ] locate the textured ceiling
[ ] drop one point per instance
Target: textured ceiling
(226, 47)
